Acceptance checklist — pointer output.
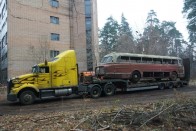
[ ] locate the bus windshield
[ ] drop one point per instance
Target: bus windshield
(107, 59)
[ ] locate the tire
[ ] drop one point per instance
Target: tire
(178, 84)
(135, 77)
(109, 89)
(95, 91)
(158, 79)
(173, 76)
(27, 97)
(170, 85)
(161, 86)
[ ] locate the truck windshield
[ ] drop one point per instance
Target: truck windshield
(35, 69)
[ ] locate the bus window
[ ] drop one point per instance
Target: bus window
(146, 60)
(109, 59)
(104, 59)
(135, 59)
(166, 61)
(123, 59)
(175, 62)
(157, 60)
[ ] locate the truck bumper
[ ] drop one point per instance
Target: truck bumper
(11, 97)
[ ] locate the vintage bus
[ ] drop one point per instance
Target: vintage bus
(139, 66)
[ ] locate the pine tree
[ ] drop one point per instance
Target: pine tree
(108, 36)
(150, 41)
(173, 37)
(125, 42)
(190, 11)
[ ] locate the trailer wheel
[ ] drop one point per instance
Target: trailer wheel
(27, 97)
(95, 91)
(170, 85)
(161, 86)
(135, 77)
(179, 84)
(109, 89)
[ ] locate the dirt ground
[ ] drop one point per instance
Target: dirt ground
(138, 110)
(76, 103)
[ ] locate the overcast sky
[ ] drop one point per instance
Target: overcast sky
(136, 12)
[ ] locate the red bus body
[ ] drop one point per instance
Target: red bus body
(125, 65)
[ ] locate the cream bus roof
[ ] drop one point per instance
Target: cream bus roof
(114, 54)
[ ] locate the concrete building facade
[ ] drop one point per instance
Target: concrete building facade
(39, 30)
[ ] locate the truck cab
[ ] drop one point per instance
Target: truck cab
(53, 78)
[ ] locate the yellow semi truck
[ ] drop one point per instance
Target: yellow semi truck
(60, 77)
(54, 78)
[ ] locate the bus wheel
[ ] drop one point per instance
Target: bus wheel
(135, 77)
(161, 86)
(173, 76)
(27, 97)
(109, 89)
(95, 91)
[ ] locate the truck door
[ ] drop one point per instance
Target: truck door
(43, 78)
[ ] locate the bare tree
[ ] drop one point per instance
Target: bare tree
(41, 51)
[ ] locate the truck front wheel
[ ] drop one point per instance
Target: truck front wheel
(27, 97)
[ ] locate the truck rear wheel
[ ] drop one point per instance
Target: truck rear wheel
(27, 97)
(95, 91)
(109, 89)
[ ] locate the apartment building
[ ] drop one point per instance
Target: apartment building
(38, 30)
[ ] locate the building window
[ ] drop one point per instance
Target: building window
(53, 53)
(55, 37)
(88, 8)
(54, 3)
(88, 23)
(54, 20)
